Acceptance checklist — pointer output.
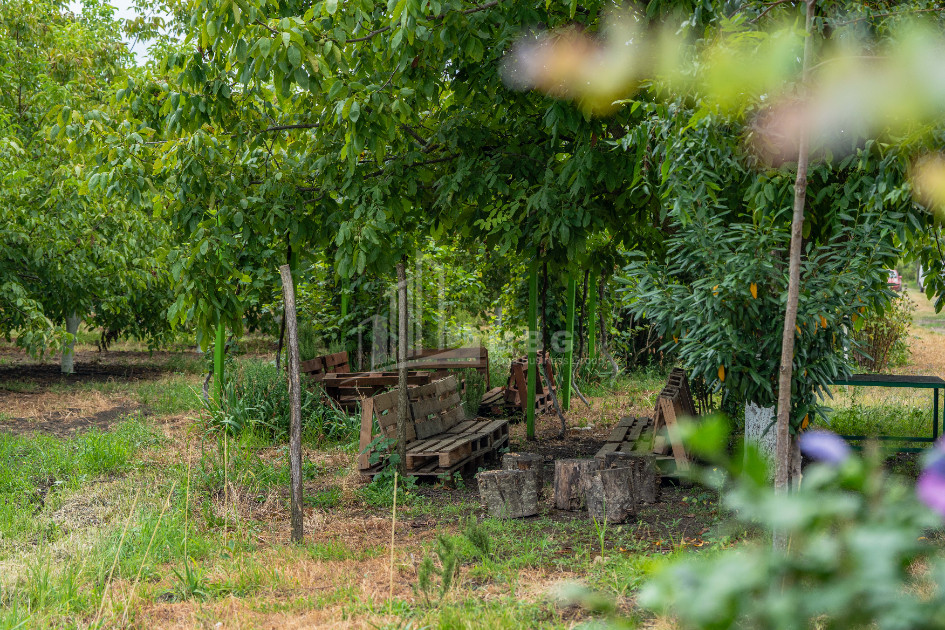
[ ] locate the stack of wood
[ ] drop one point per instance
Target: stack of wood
(442, 360)
(440, 439)
(512, 396)
(348, 388)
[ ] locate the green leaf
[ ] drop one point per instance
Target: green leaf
(355, 112)
(331, 6)
(264, 44)
(295, 56)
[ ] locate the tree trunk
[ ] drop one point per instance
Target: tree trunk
(592, 317)
(646, 475)
(545, 334)
(532, 349)
(572, 477)
(509, 493)
(295, 398)
(524, 461)
(402, 403)
(611, 495)
(569, 347)
(784, 446)
(68, 349)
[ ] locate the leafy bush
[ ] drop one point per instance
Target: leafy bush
(858, 554)
(880, 338)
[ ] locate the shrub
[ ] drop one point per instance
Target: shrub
(880, 338)
(858, 553)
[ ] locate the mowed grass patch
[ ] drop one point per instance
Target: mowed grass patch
(32, 467)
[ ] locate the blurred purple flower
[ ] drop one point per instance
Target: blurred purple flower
(824, 446)
(931, 485)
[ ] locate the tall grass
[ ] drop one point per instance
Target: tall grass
(257, 400)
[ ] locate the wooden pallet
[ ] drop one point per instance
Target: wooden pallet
(673, 403)
(631, 435)
(517, 387)
(349, 388)
(444, 359)
(440, 439)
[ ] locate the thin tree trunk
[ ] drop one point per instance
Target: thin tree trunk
(545, 334)
(402, 367)
(784, 442)
(281, 339)
(295, 397)
(581, 316)
(68, 349)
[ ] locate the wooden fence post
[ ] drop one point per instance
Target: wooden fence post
(295, 396)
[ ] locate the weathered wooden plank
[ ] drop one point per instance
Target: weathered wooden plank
(618, 434)
(367, 429)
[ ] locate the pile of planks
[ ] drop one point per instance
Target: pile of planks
(349, 388)
(440, 439)
(441, 360)
(512, 397)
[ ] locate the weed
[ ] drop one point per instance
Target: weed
(325, 499)
(191, 583)
(428, 574)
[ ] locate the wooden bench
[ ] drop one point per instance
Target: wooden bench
(444, 359)
(440, 439)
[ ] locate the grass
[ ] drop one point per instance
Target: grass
(202, 521)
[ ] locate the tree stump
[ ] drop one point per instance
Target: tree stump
(528, 462)
(646, 475)
(571, 480)
(611, 496)
(509, 493)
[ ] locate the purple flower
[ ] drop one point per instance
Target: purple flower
(931, 485)
(824, 446)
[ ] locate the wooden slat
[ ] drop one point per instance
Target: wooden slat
(365, 437)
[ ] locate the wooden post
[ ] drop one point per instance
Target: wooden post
(295, 397)
(569, 346)
(532, 348)
(592, 317)
(402, 404)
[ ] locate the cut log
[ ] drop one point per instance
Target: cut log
(528, 462)
(571, 480)
(611, 496)
(646, 474)
(522, 461)
(509, 493)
